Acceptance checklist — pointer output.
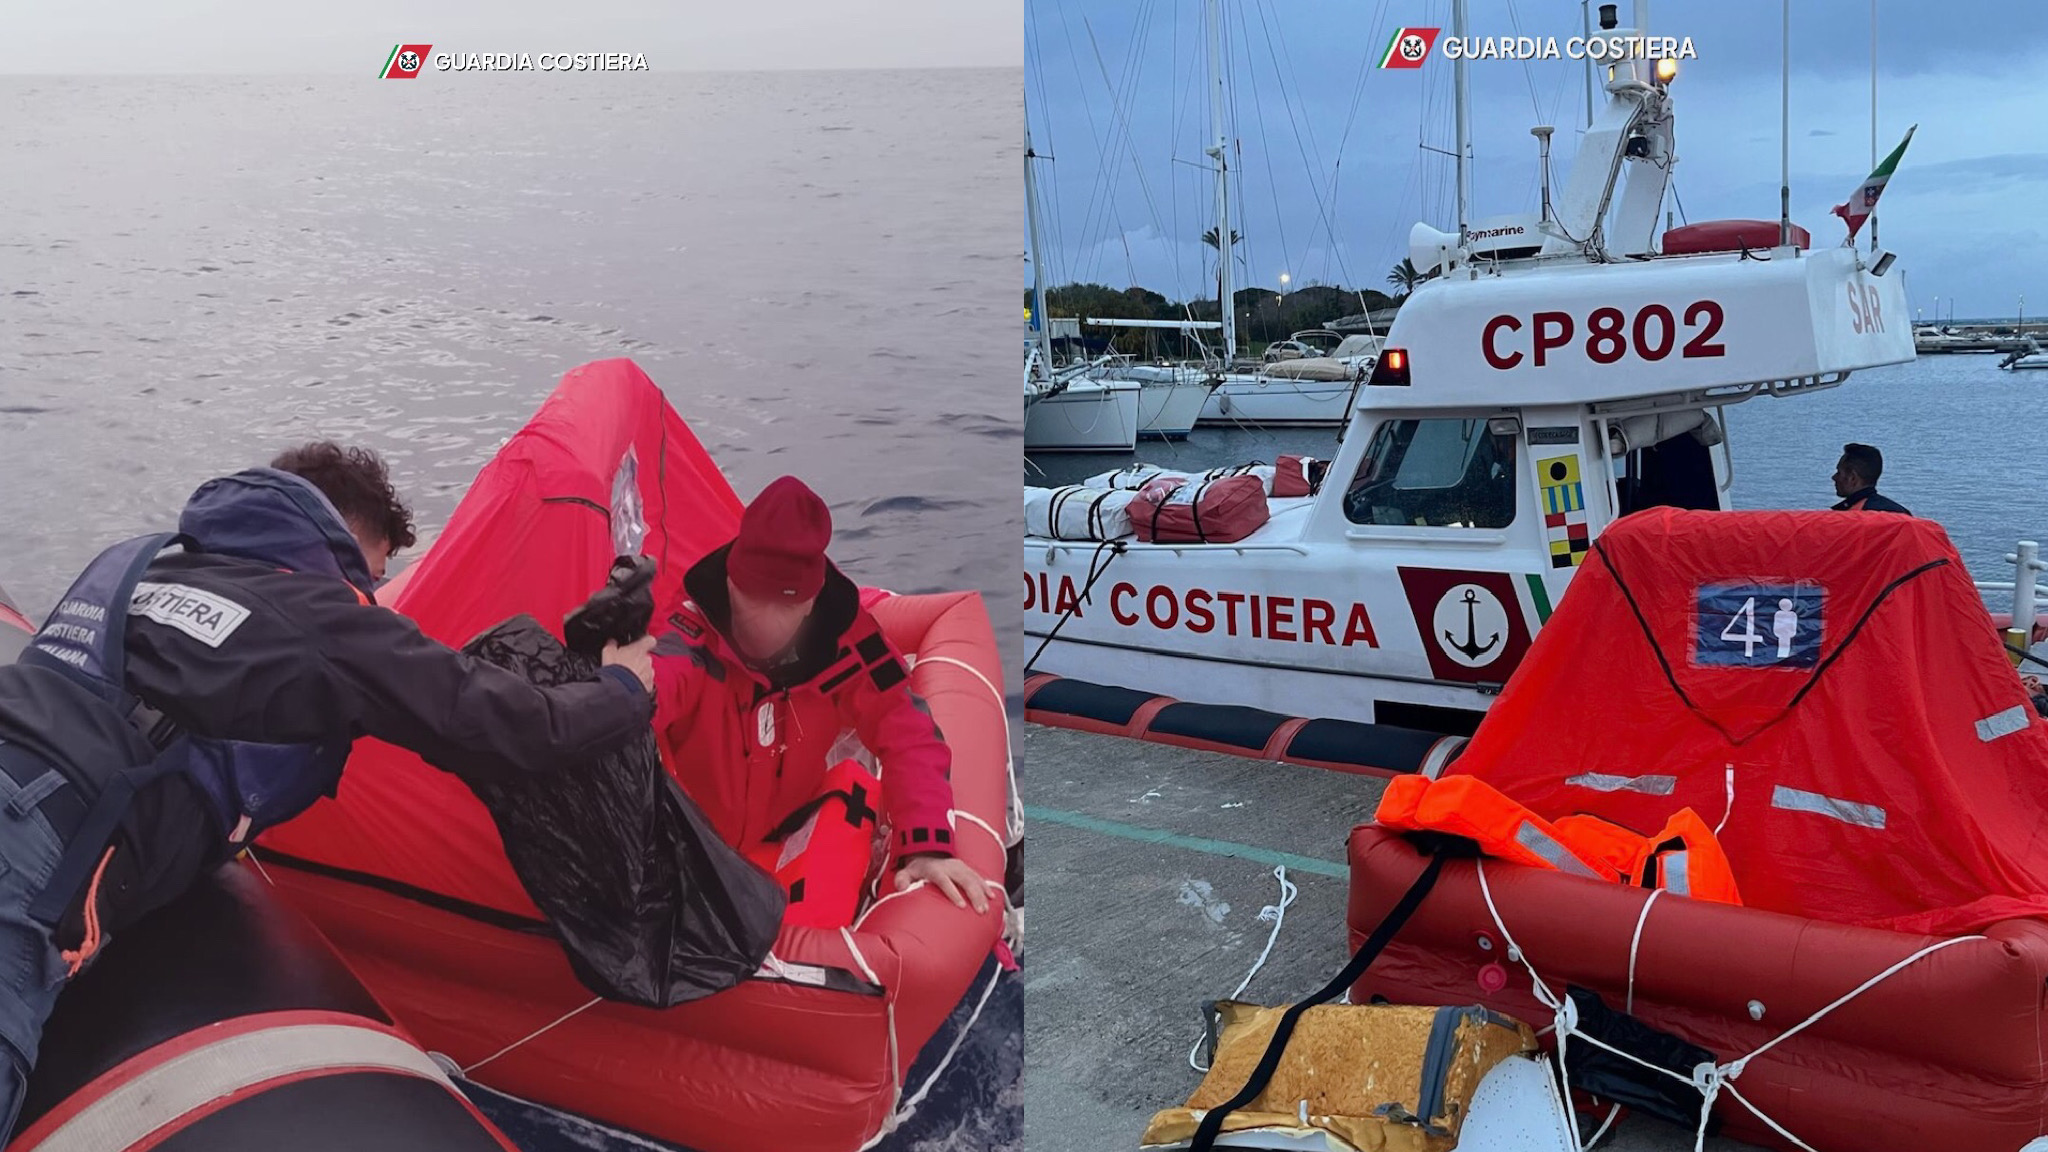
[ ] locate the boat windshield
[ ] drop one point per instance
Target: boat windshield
(1435, 473)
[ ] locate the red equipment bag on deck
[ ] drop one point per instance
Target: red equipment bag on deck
(821, 853)
(1210, 512)
(1298, 476)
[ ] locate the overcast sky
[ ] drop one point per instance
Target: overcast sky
(1114, 93)
(286, 36)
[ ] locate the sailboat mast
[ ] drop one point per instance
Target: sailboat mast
(1464, 101)
(1037, 249)
(1220, 153)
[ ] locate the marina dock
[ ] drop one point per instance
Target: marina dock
(1150, 865)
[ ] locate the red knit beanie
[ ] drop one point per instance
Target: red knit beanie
(780, 550)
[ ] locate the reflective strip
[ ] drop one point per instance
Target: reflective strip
(1847, 811)
(129, 1113)
(1648, 785)
(1555, 854)
(1671, 870)
(2013, 719)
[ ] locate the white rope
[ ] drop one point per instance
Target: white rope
(1277, 913)
(1728, 806)
(888, 1010)
(534, 1035)
(1710, 1079)
(1635, 942)
(971, 818)
(909, 1106)
(1013, 811)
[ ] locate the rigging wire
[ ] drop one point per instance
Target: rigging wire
(1120, 117)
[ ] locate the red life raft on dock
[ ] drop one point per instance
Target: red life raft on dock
(405, 874)
(1826, 683)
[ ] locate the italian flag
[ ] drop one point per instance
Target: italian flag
(1864, 200)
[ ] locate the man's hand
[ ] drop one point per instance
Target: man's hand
(948, 875)
(636, 658)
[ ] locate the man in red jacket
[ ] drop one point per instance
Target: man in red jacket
(769, 659)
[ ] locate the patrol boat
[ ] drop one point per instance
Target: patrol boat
(1556, 372)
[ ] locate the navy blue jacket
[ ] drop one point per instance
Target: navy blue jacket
(261, 643)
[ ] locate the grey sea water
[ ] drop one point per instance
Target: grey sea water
(197, 271)
(1964, 443)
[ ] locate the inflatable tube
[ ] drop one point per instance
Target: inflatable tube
(1341, 745)
(769, 1064)
(15, 629)
(1944, 1054)
(403, 871)
(1728, 236)
(224, 1023)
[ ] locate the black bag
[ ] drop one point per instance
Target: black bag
(651, 906)
(1601, 1073)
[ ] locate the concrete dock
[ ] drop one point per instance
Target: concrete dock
(1147, 870)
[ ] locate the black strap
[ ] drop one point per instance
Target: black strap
(855, 800)
(1262, 1075)
(82, 851)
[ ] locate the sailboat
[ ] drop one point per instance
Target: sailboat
(1066, 409)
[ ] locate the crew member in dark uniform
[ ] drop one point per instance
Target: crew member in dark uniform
(194, 688)
(1856, 476)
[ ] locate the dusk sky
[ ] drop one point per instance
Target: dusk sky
(1332, 175)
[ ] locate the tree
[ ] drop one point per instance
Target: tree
(1405, 277)
(1209, 237)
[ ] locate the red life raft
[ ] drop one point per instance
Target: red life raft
(404, 872)
(1728, 236)
(1883, 777)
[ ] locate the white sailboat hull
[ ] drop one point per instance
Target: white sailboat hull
(1168, 410)
(1086, 416)
(1278, 402)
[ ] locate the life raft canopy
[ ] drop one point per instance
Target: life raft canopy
(1830, 682)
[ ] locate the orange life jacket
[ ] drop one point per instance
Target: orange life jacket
(1470, 807)
(822, 853)
(1683, 858)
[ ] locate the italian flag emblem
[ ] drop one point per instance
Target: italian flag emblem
(405, 61)
(1864, 200)
(1409, 47)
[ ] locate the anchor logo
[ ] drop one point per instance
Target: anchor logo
(1471, 625)
(1471, 647)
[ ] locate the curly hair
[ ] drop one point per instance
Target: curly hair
(357, 483)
